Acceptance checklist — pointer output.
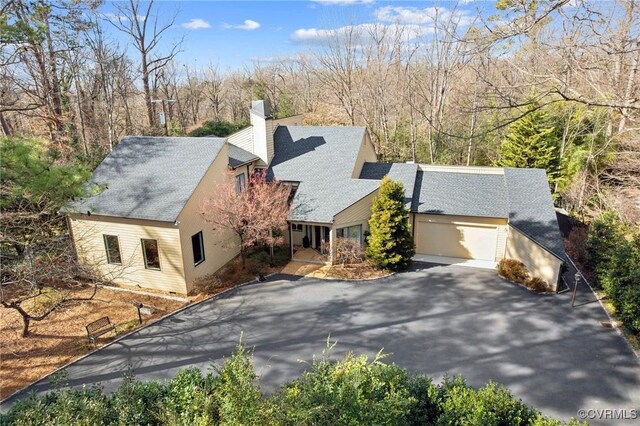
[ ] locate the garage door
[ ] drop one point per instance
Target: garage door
(455, 240)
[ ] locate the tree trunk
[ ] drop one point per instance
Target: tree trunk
(147, 91)
(25, 326)
(5, 125)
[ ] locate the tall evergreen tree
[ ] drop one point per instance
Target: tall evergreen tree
(390, 245)
(531, 143)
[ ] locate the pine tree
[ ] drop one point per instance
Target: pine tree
(531, 143)
(390, 244)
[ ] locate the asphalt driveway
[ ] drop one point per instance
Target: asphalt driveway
(435, 319)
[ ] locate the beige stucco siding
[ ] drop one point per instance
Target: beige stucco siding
(357, 213)
(219, 248)
(539, 261)
(366, 154)
(464, 237)
(88, 234)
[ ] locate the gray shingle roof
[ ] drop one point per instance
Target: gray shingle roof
(464, 194)
(521, 195)
(322, 160)
(404, 172)
(531, 208)
(149, 177)
(239, 156)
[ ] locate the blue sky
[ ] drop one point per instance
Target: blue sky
(237, 33)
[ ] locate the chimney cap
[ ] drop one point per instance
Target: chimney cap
(261, 108)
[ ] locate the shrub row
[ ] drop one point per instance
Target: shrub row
(516, 271)
(353, 391)
(613, 255)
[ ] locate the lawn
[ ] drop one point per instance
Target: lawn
(62, 337)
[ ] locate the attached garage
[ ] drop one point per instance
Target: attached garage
(460, 237)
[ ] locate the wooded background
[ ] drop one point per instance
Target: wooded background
(550, 84)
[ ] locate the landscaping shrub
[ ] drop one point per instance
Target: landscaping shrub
(352, 391)
(513, 270)
(613, 253)
(490, 405)
(621, 282)
(537, 284)
(390, 245)
(349, 251)
(605, 233)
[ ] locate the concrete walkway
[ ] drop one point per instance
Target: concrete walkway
(435, 320)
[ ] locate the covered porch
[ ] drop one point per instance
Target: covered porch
(316, 242)
(311, 243)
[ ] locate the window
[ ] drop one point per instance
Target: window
(241, 182)
(298, 227)
(151, 254)
(354, 232)
(198, 248)
(112, 247)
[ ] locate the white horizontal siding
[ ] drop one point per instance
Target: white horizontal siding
(243, 139)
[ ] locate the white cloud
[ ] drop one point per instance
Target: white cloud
(121, 18)
(196, 24)
(247, 25)
(342, 2)
(361, 32)
(421, 16)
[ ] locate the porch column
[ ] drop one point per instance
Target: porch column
(332, 244)
(290, 239)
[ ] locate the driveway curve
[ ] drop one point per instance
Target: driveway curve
(433, 319)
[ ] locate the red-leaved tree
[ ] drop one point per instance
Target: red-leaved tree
(255, 215)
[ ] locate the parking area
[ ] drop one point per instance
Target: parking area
(433, 319)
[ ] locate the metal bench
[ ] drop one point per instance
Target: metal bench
(99, 327)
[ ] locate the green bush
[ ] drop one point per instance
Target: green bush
(390, 245)
(621, 282)
(490, 405)
(605, 233)
(614, 255)
(220, 129)
(352, 391)
(513, 270)
(136, 402)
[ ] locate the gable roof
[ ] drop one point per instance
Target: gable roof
(403, 172)
(531, 208)
(321, 159)
(149, 177)
(239, 157)
(462, 194)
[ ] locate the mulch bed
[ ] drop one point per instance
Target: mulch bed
(62, 336)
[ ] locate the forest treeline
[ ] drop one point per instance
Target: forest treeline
(541, 83)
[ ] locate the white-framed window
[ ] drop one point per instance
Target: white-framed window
(197, 243)
(151, 254)
(241, 182)
(297, 227)
(112, 248)
(354, 232)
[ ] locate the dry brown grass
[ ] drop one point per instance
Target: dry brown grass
(62, 336)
